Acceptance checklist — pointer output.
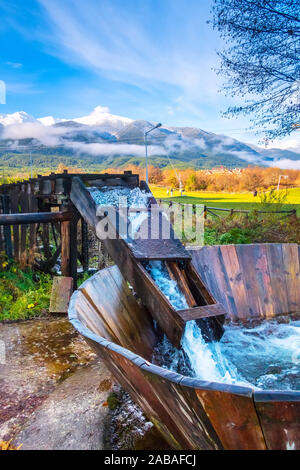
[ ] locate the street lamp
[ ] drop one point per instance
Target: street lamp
(146, 147)
(281, 176)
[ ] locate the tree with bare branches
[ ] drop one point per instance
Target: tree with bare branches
(261, 60)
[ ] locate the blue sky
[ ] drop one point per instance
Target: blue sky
(144, 59)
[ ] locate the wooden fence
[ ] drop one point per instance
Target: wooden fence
(212, 210)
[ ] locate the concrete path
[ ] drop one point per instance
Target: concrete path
(52, 387)
(73, 416)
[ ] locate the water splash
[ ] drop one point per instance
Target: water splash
(121, 197)
(168, 286)
(265, 357)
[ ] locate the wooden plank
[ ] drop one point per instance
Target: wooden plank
(278, 280)
(7, 229)
(128, 323)
(162, 249)
(163, 401)
(254, 302)
(32, 218)
(210, 266)
(84, 245)
(33, 208)
(46, 241)
(132, 270)
(73, 247)
(200, 291)
(189, 413)
(279, 415)
(204, 311)
(14, 204)
(181, 279)
(62, 288)
(291, 270)
(236, 276)
(264, 279)
(24, 205)
(65, 248)
(120, 250)
(234, 419)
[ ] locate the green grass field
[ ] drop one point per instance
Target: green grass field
(225, 200)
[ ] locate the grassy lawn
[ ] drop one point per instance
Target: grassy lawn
(225, 200)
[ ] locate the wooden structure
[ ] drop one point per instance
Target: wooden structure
(131, 254)
(44, 211)
(256, 280)
(192, 413)
(39, 223)
(62, 288)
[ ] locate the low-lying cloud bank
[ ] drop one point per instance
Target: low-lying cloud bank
(114, 149)
(71, 138)
(285, 164)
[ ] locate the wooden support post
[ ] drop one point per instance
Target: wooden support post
(65, 248)
(84, 245)
(24, 203)
(14, 205)
(73, 248)
(1, 240)
(69, 246)
(7, 229)
(46, 242)
(33, 206)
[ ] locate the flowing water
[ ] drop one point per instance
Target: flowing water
(265, 356)
(124, 197)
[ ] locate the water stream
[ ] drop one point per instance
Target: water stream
(265, 356)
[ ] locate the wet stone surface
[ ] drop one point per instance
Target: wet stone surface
(39, 355)
(56, 394)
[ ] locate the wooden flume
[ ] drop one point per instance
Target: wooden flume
(131, 255)
(191, 413)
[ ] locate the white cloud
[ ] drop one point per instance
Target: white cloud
(287, 144)
(33, 130)
(14, 65)
(117, 42)
(113, 149)
(286, 164)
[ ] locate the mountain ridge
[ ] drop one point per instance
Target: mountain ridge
(101, 136)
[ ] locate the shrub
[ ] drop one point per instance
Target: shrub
(23, 294)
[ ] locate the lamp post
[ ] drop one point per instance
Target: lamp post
(146, 148)
(281, 176)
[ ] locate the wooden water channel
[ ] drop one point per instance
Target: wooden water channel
(250, 281)
(255, 282)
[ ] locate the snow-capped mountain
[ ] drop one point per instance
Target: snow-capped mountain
(104, 135)
(101, 117)
(16, 118)
(50, 120)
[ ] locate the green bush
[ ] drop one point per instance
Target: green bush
(23, 293)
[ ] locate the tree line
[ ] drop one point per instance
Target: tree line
(248, 179)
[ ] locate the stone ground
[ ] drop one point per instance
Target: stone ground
(54, 390)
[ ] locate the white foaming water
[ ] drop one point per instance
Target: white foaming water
(266, 356)
(170, 288)
(207, 360)
(120, 197)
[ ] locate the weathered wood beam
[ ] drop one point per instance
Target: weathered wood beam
(204, 311)
(34, 217)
